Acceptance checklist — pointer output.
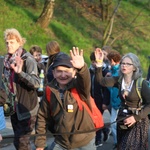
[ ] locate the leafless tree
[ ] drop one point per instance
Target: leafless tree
(105, 8)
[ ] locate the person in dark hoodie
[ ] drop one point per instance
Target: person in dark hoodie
(53, 50)
(101, 96)
(21, 73)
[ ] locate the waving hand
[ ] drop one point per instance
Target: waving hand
(99, 56)
(77, 57)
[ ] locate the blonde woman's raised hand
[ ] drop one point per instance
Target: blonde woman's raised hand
(17, 65)
(77, 57)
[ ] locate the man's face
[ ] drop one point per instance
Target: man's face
(12, 45)
(63, 75)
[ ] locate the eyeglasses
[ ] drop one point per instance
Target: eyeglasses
(126, 64)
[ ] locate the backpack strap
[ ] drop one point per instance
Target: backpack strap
(77, 98)
(74, 93)
(48, 93)
(138, 89)
(95, 114)
(48, 96)
(80, 102)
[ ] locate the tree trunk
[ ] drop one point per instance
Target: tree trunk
(46, 14)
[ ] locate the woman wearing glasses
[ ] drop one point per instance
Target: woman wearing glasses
(132, 120)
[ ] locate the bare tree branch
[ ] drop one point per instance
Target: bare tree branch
(108, 29)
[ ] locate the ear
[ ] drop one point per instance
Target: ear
(112, 62)
(134, 69)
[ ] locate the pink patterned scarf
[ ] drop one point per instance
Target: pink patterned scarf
(9, 59)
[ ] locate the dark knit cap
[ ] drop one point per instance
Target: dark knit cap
(62, 60)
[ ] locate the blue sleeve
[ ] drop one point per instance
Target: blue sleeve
(2, 120)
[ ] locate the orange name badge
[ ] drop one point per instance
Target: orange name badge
(70, 108)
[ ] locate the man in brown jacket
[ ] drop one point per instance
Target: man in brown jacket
(62, 114)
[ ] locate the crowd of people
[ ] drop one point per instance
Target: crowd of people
(110, 81)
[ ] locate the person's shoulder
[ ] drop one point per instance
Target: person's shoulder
(146, 82)
(41, 66)
(27, 56)
(59, 54)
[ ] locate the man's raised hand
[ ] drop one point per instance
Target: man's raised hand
(77, 57)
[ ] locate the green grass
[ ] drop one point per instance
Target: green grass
(75, 25)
